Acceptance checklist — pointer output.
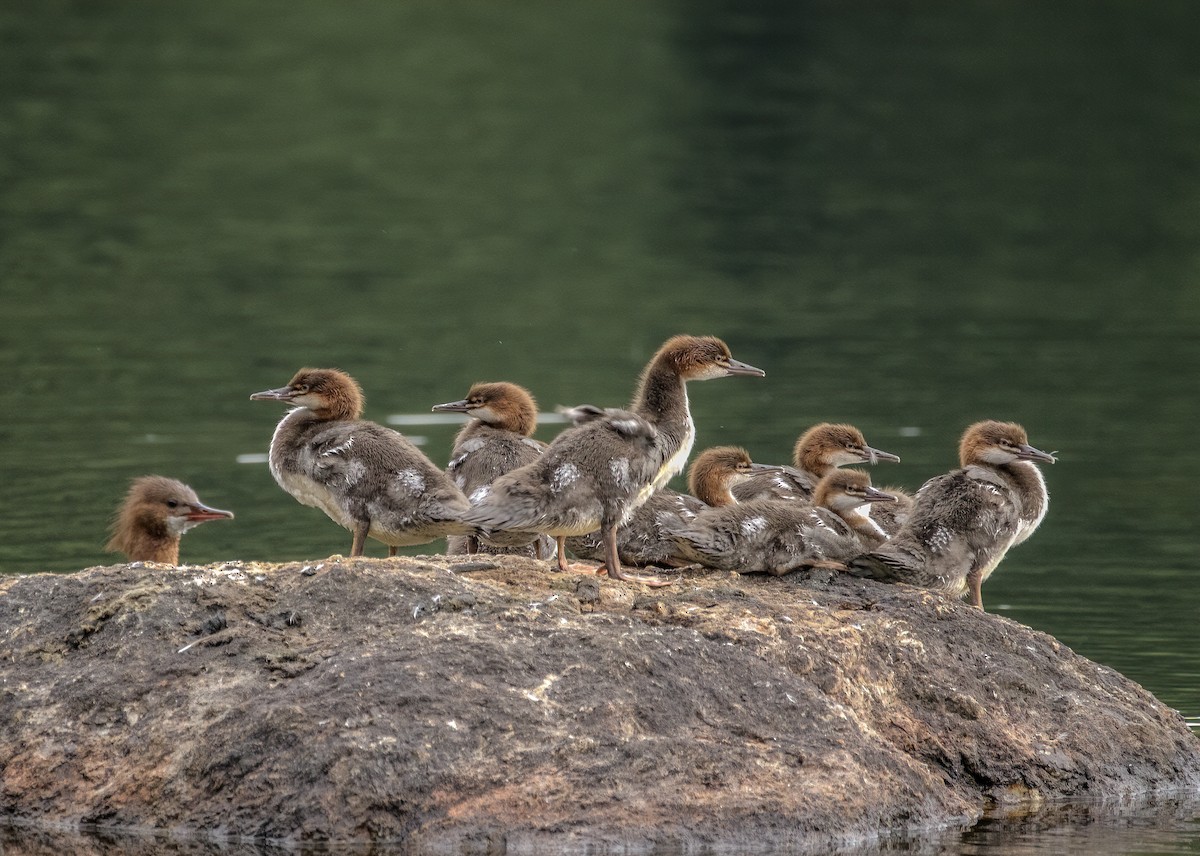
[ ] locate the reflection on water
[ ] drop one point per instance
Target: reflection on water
(1162, 826)
(911, 218)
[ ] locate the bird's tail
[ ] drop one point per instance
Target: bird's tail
(886, 567)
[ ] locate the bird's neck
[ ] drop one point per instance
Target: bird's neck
(662, 400)
(859, 519)
(147, 541)
(1030, 486)
(289, 435)
(813, 462)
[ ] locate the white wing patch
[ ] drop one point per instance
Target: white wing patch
(355, 470)
(565, 475)
(940, 539)
(753, 525)
(620, 471)
(411, 480)
(339, 448)
(480, 494)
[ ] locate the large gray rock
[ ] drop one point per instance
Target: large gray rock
(449, 707)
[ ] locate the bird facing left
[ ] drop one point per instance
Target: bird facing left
(365, 477)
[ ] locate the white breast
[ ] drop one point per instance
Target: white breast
(676, 462)
(311, 493)
(1025, 527)
(301, 487)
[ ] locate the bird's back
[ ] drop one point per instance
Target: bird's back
(788, 483)
(642, 539)
(483, 453)
(359, 470)
(772, 536)
(592, 472)
(961, 522)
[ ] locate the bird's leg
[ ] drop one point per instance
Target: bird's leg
(360, 538)
(612, 562)
(560, 542)
(975, 584)
(391, 551)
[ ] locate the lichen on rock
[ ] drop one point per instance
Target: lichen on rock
(439, 702)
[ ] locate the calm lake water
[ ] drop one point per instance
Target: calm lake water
(912, 216)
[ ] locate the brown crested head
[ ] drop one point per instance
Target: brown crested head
(157, 510)
(829, 445)
(819, 446)
(841, 490)
(717, 469)
(329, 393)
(500, 404)
(699, 358)
(998, 443)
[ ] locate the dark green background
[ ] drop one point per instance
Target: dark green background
(912, 216)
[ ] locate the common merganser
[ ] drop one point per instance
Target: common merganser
(964, 522)
(818, 450)
(497, 438)
(780, 536)
(595, 474)
(156, 512)
(642, 541)
(365, 477)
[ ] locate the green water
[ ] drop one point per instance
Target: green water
(912, 216)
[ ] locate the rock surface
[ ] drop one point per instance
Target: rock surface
(496, 703)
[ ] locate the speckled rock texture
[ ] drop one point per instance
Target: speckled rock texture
(478, 706)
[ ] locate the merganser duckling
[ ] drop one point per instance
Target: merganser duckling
(367, 478)
(963, 522)
(780, 536)
(152, 519)
(716, 473)
(496, 439)
(818, 450)
(596, 473)
(642, 541)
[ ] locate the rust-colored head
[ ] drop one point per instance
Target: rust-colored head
(998, 443)
(500, 404)
(716, 470)
(828, 445)
(700, 358)
(843, 490)
(157, 510)
(329, 393)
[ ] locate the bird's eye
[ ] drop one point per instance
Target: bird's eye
(302, 388)
(172, 503)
